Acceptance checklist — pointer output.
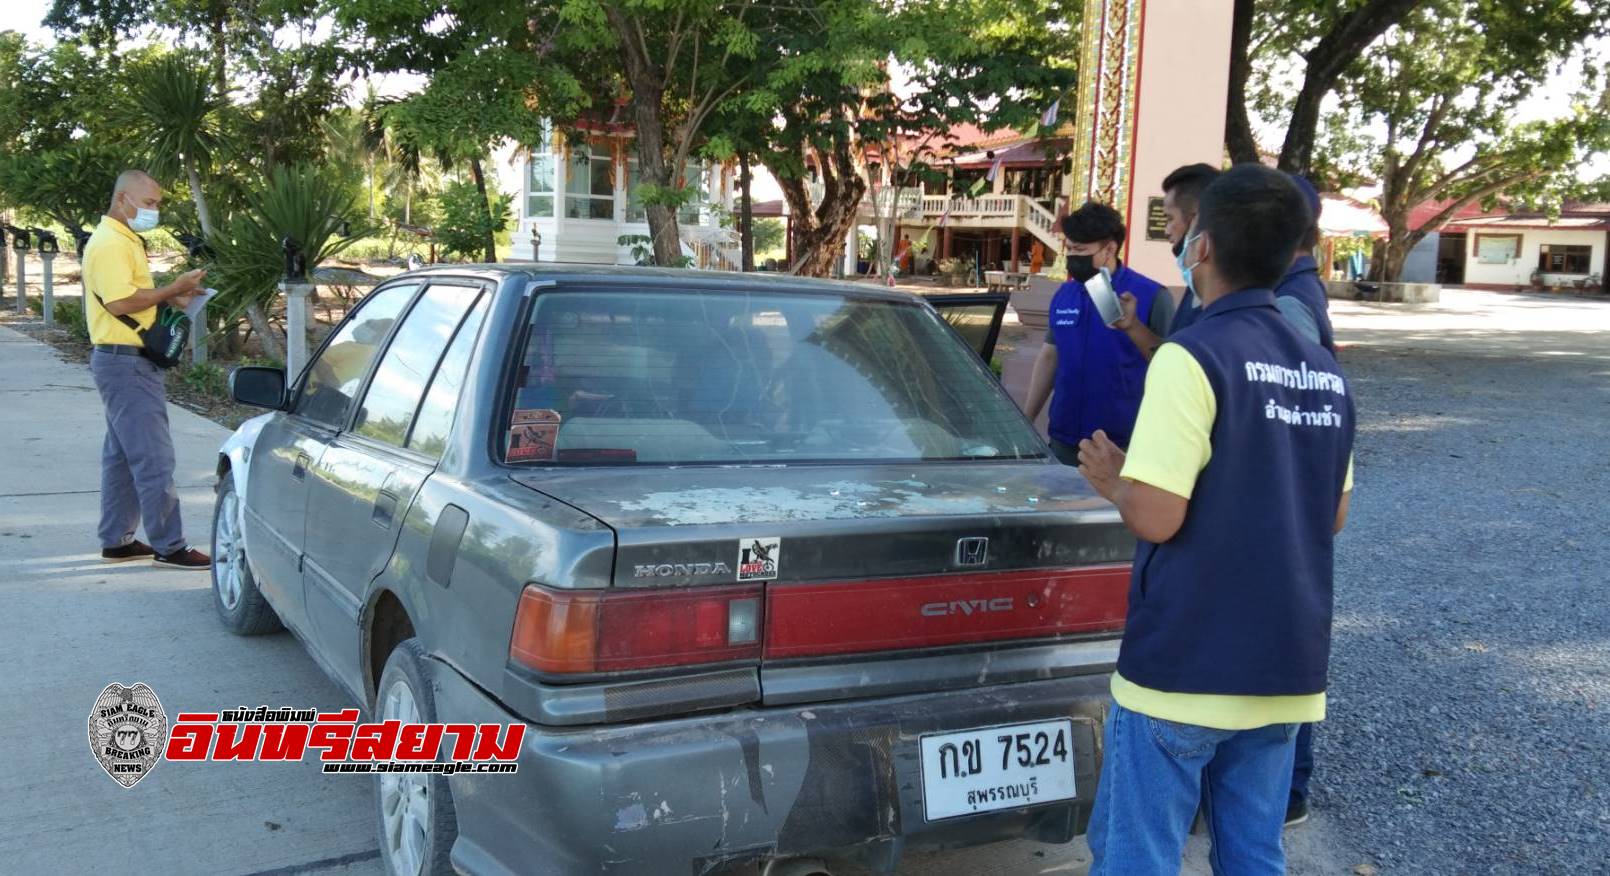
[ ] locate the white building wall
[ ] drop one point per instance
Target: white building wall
(595, 241)
(1518, 271)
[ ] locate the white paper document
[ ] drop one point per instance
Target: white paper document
(197, 305)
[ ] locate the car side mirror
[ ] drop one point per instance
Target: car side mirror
(258, 386)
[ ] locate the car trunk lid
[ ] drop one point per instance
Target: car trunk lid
(870, 559)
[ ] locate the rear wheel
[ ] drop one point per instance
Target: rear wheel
(240, 604)
(417, 820)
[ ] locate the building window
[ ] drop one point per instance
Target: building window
(693, 177)
(541, 167)
(590, 183)
(540, 184)
(1497, 249)
(1562, 259)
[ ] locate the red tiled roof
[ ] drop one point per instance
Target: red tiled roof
(1428, 210)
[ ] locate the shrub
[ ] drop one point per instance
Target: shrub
(298, 202)
(465, 222)
(204, 378)
(69, 314)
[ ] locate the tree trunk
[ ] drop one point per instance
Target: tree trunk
(198, 197)
(218, 13)
(1238, 138)
(272, 348)
(1396, 254)
(1327, 60)
(647, 83)
(490, 242)
(819, 234)
(746, 214)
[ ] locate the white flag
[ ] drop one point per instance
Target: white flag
(1050, 117)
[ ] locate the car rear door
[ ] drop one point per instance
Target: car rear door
(293, 442)
(977, 318)
(362, 486)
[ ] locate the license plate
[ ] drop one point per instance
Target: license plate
(996, 768)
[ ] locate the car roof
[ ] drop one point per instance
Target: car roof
(669, 278)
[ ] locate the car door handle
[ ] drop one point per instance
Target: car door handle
(299, 471)
(385, 507)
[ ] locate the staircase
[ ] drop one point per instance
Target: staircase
(1003, 212)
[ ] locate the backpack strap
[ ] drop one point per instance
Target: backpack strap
(124, 318)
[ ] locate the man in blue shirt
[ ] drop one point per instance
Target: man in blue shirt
(1301, 294)
(1092, 373)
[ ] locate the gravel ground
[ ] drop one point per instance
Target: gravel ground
(1469, 728)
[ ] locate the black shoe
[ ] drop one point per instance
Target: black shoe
(189, 559)
(1296, 811)
(134, 550)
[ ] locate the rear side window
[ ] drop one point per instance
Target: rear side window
(394, 394)
(707, 377)
(334, 377)
(436, 412)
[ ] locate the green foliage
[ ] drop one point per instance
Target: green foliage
(204, 378)
(768, 234)
(468, 219)
(643, 251)
(69, 314)
(72, 185)
(175, 113)
(1434, 111)
(299, 202)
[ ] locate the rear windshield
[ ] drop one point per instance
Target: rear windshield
(706, 377)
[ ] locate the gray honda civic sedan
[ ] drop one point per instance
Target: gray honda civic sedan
(772, 570)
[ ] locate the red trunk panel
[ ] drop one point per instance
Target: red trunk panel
(808, 620)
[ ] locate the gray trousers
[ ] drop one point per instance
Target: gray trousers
(137, 459)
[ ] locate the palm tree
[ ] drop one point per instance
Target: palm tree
(176, 113)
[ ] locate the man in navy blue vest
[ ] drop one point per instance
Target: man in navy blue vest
(1094, 373)
(1236, 481)
(1301, 294)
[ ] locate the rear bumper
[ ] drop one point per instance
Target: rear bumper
(693, 795)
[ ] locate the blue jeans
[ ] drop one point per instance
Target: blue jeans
(1302, 768)
(1155, 773)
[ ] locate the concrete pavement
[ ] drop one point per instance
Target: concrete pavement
(71, 625)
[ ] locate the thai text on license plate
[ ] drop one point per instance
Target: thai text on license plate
(996, 768)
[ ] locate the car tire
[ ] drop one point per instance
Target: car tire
(417, 820)
(240, 604)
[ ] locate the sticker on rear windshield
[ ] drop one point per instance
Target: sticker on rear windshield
(533, 434)
(758, 558)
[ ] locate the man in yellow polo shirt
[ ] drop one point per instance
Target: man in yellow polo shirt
(1236, 480)
(137, 457)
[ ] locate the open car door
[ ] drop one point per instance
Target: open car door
(977, 318)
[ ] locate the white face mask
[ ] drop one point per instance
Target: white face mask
(144, 219)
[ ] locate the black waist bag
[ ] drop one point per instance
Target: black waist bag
(163, 343)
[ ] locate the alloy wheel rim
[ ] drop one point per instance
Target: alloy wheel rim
(404, 797)
(228, 552)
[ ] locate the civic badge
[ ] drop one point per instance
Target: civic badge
(972, 551)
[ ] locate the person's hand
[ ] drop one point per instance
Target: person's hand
(1130, 307)
(1100, 461)
(189, 282)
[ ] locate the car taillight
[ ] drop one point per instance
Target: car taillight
(890, 614)
(563, 631)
